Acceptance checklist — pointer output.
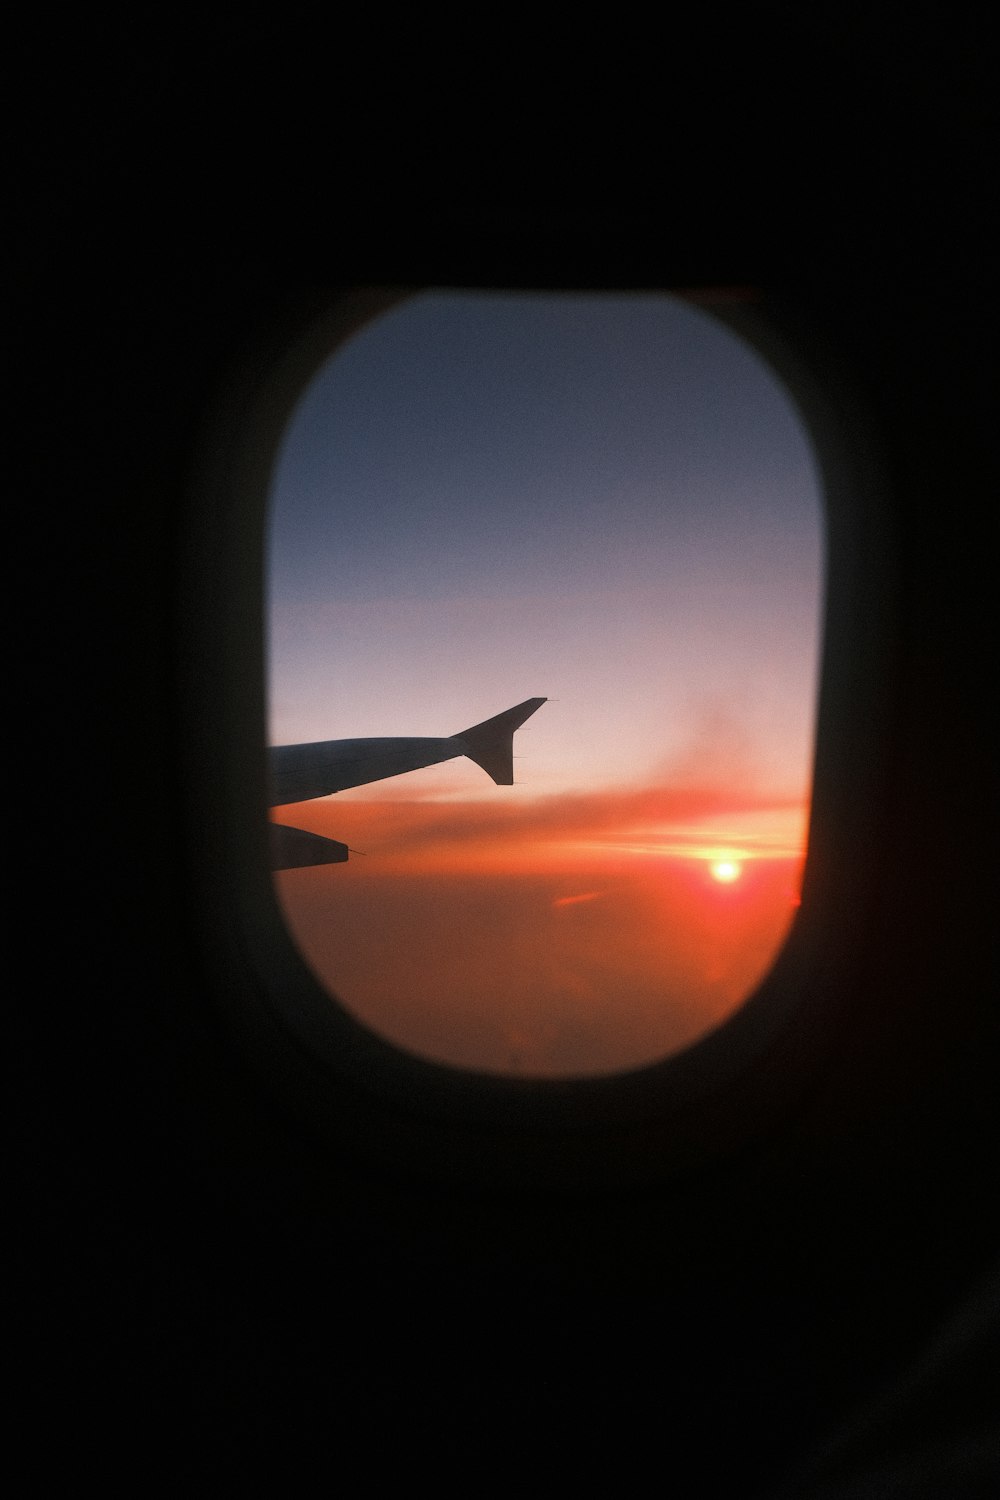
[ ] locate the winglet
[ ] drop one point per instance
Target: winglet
(491, 744)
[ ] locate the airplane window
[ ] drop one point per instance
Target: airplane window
(572, 542)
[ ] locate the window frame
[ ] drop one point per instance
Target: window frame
(355, 1086)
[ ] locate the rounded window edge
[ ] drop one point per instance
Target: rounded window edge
(712, 1094)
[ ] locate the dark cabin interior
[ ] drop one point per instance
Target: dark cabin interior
(225, 1285)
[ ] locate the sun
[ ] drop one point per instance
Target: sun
(726, 871)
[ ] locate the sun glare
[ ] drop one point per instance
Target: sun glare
(726, 871)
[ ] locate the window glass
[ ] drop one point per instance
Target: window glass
(608, 501)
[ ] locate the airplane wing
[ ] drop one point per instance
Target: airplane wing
(302, 772)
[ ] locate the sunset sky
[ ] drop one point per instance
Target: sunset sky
(608, 501)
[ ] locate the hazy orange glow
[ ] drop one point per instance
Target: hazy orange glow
(573, 934)
(431, 832)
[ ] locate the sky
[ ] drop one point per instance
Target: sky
(609, 501)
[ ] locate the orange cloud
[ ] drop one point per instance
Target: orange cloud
(509, 973)
(502, 832)
(575, 934)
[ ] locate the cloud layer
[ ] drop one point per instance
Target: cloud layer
(570, 935)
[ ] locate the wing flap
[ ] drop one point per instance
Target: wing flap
(295, 849)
